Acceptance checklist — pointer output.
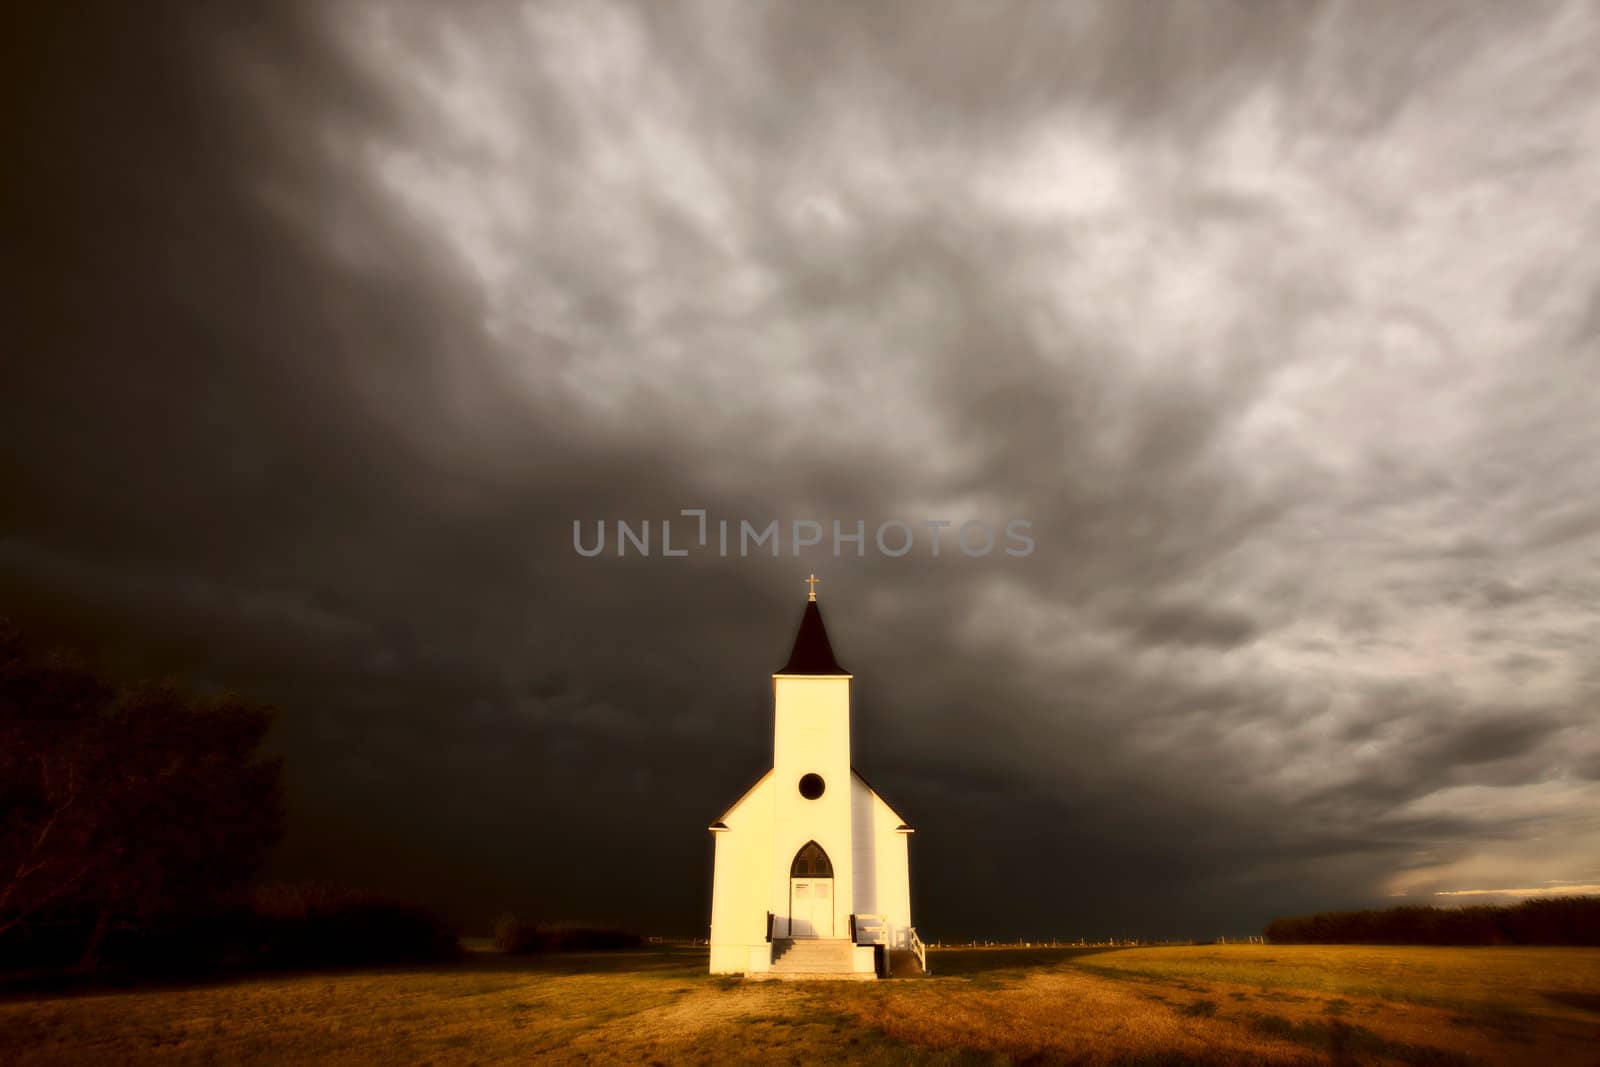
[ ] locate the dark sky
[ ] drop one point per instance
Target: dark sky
(1279, 322)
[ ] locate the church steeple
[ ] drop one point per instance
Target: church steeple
(812, 653)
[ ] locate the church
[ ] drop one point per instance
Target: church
(811, 875)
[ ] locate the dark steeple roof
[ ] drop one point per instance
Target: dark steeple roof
(812, 653)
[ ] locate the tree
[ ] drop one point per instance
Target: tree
(123, 807)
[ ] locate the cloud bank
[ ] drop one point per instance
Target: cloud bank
(1281, 326)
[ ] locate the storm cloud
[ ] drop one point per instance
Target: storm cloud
(1279, 323)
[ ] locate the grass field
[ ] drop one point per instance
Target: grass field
(1256, 1004)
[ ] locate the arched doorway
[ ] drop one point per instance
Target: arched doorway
(811, 893)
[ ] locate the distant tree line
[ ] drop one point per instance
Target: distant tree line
(1543, 921)
(131, 820)
(517, 937)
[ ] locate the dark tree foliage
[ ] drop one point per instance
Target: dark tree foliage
(516, 937)
(121, 808)
(1547, 921)
(321, 926)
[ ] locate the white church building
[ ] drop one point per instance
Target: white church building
(811, 877)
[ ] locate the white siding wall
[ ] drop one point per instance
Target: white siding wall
(865, 831)
(883, 882)
(739, 885)
(893, 871)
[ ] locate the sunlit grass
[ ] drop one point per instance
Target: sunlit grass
(1222, 1005)
(1534, 981)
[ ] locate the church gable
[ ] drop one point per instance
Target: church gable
(722, 821)
(878, 798)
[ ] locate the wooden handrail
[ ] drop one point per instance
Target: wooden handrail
(918, 947)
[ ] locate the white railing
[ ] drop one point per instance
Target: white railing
(872, 929)
(918, 947)
(875, 930)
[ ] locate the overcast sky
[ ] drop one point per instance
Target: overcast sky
(1279, 322)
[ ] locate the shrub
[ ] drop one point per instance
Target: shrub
(515, 937)
(320, 926)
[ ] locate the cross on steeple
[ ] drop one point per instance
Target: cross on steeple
(812, 583)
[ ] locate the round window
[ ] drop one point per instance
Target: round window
(811, 786)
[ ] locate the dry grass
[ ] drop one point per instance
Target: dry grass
(1236, 1004)
(1224, 1005)
(1531, 981)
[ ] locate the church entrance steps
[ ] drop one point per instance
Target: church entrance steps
(823, 957)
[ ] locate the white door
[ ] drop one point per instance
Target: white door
(822, 907)
(800, 908)
(811, 907)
